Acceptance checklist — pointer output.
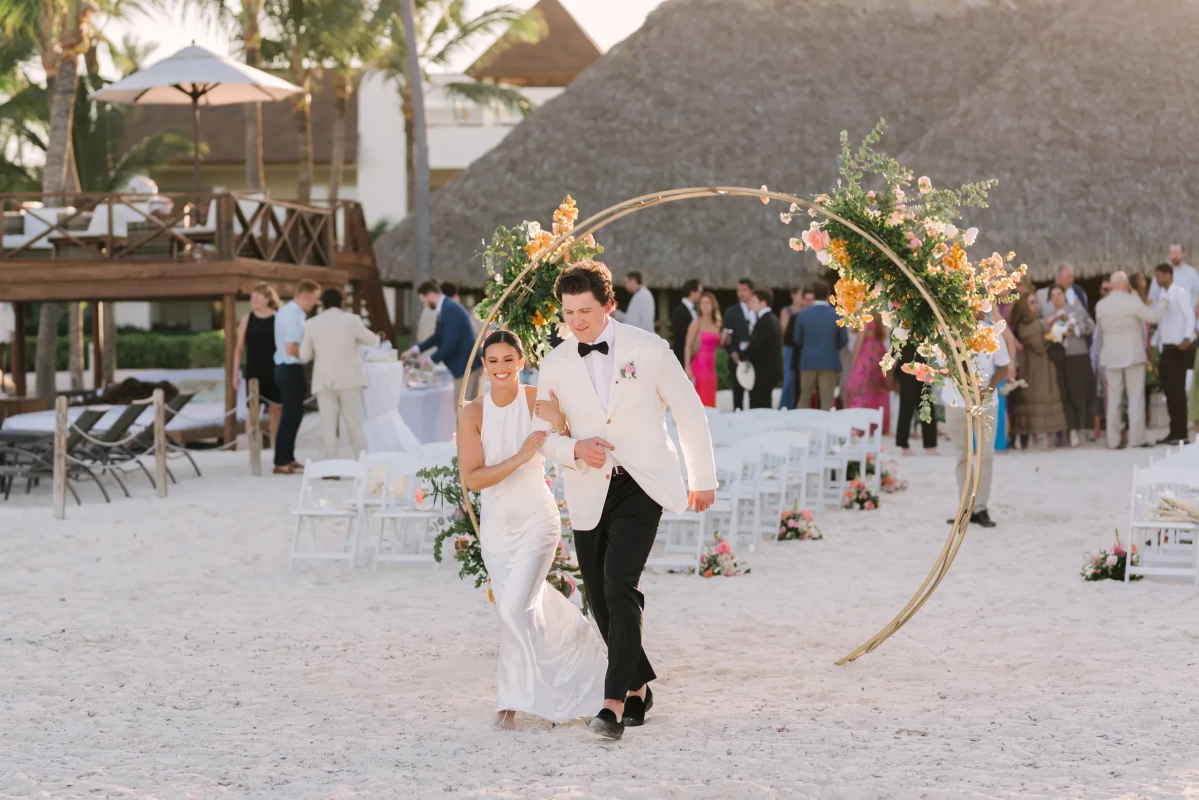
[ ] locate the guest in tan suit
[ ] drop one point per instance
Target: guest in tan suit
(1120, 321)
(331, 342)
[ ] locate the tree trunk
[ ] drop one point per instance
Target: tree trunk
(303, 119)
(110, 343)
(62, 111)
(61, 90)
(409, 155)
(344, 88)
(255, 165)
(75, 344)
(47, 353)
(420, 161)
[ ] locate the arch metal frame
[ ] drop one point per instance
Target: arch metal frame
(962, 368)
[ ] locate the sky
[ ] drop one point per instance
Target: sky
(607, 22)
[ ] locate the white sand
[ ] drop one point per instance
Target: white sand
(160, 649)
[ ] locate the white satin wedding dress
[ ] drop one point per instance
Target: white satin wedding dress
(552, 660)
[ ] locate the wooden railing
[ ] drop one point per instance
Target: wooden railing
(179, 227)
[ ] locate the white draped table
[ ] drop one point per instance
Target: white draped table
(400, 418)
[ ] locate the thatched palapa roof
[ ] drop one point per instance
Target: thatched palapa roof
(1084, 109)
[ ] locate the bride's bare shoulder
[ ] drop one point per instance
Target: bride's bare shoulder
(472, 412)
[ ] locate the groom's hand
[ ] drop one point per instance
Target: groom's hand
(701, 501)
(591, 451)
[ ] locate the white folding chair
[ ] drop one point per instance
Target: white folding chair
(865, 442)
(393, 467)
(321, 499)
(438, 453)
(682, 537)
(405, 525)
(1167, 547)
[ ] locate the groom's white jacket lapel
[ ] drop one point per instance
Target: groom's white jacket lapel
(634, 422)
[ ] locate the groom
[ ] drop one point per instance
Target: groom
(613, 383)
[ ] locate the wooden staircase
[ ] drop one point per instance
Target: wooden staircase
(357, 257)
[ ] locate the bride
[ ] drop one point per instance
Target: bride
(552, 661)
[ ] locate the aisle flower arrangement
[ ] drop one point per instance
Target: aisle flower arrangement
(919, 228)
(798, 525)
(1110, 564)
(456, 527)
(858, 495)
(890, 480)
(719, 559)
(532, 309)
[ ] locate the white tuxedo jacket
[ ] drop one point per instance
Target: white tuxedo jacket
(331, 341)
(634, 422)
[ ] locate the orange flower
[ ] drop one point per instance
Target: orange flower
(983, 340)
(955, 259)
(850, 296)
(490, 595)
(838, 249)
(539, 320)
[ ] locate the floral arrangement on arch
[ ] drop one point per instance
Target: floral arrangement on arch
(1110, 564)
(797, 524)
(456, 526)
(920, 229)
(719, 559)
(858, 495)
(531, 310)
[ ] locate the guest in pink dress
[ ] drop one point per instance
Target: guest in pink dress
(867, 386)
(703, 337)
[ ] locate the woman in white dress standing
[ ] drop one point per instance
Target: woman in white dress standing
(552, 660)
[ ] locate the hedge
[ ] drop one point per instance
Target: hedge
(151, 350)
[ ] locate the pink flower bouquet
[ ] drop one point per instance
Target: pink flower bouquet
(860, 496)
(719, 559)
(797, 524)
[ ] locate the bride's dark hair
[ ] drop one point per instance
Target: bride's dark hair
(503, 336)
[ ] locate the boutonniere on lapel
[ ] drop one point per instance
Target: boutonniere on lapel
(629, 371)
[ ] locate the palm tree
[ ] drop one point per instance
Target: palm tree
(351, 40)
(415, 82)
(443, 33)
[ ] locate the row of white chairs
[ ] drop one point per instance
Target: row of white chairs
(377, 488)
(1167, 547)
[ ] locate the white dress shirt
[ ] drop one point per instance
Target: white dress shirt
(599, 366)
(984, 367)
(641, 310)
(1184, 274)
(690, 307)
(1178, 323)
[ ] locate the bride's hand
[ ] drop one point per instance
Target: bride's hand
(532, 445)
(549, 411)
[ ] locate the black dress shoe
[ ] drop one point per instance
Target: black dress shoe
(635, 708)
(1171, 441)
(983, 519)
(605, 725)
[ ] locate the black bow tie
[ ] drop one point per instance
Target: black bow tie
(598, 347)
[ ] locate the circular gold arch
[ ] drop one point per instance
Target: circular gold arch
(962, 368)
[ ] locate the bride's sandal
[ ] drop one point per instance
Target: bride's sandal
(635, 708)
(505, 721)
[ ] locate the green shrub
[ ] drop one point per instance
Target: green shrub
(145, 350)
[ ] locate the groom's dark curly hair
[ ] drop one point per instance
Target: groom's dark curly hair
(585, 276)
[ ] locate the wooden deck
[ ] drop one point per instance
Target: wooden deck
(107, 247)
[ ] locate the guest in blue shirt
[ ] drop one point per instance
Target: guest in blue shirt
(289, 373)
(819, 341)
(454, 337)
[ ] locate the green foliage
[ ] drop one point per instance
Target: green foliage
(919, 230)
(531, 308)
(152, 350)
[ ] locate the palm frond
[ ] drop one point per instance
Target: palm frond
(518, 26)
(490, 95)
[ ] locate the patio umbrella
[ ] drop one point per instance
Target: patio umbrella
(202, 78)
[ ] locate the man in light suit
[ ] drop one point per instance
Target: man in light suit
(613, 384)
(1120, 322)
(819, 341)
(331, 341)
(641, 311)
(454, 338)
